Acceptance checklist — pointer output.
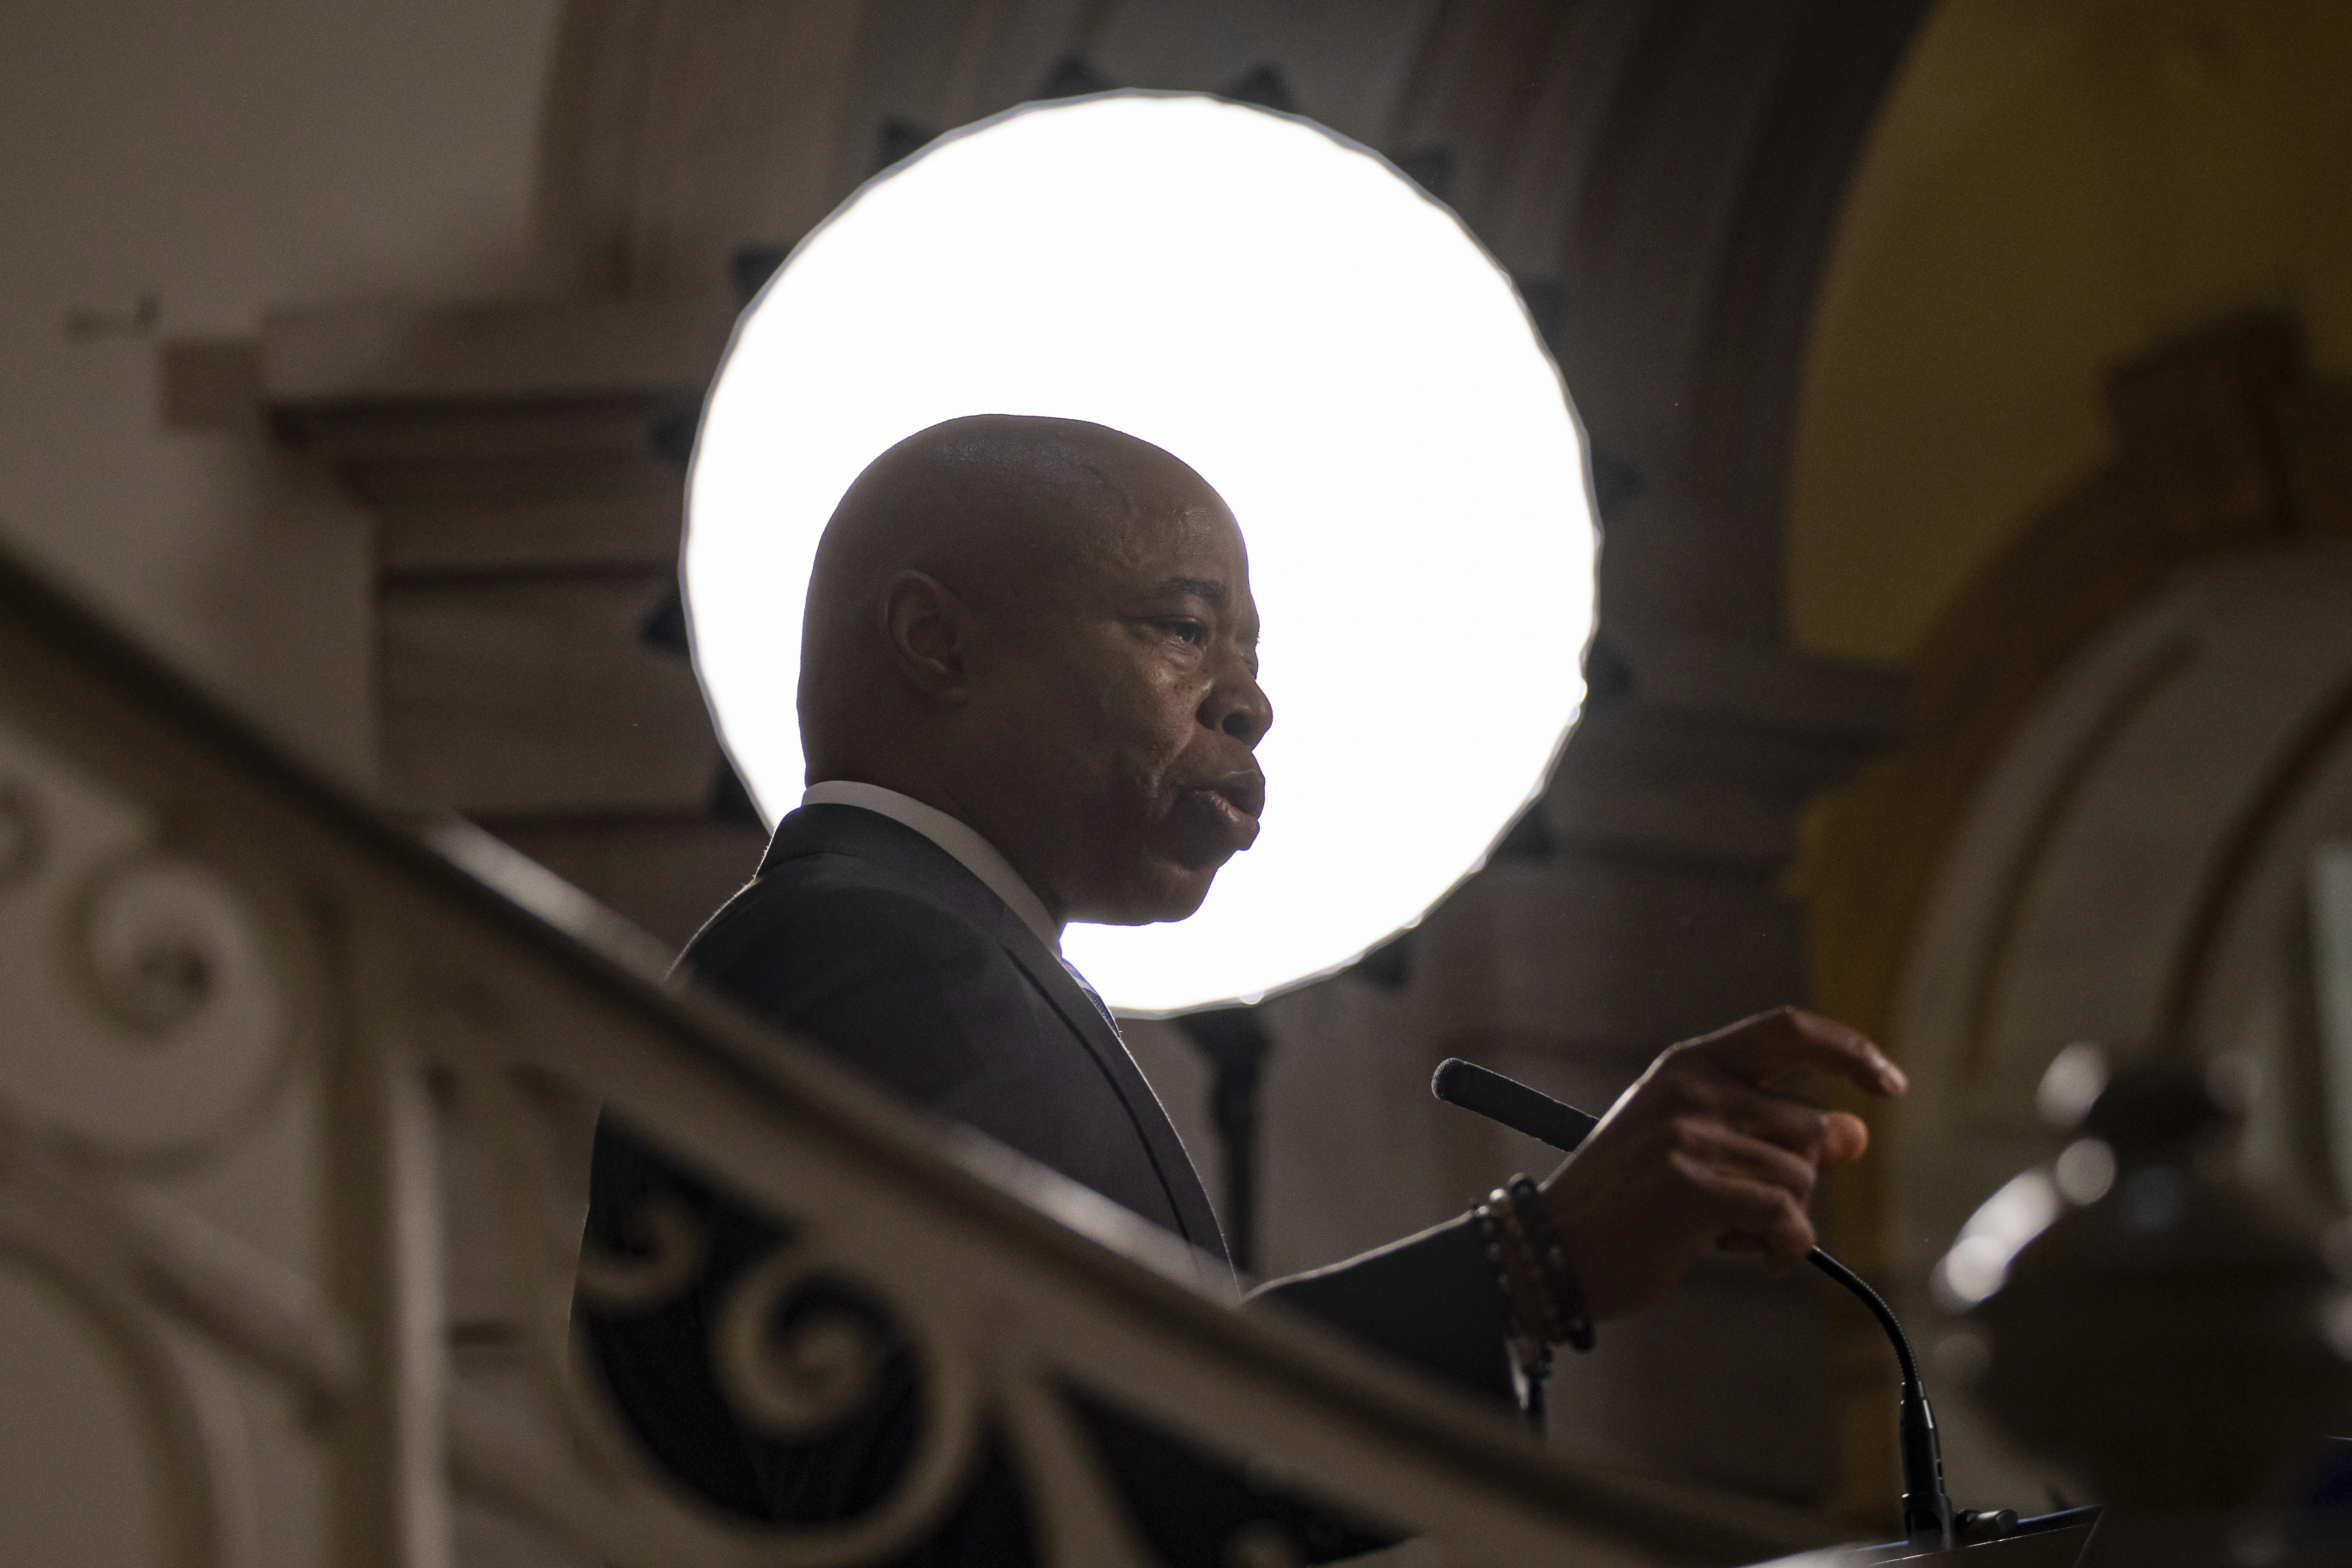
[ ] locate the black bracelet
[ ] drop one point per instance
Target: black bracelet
(1561, 1283)
(1490, 1228)
(1522, 1276)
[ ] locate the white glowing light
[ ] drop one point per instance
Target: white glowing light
(2086, 1172)
(1324, 344)
(1978, 1263)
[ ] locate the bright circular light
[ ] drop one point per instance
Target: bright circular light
(1329, 347)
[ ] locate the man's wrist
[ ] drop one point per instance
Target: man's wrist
(1532, 1268)
(1564, 1289)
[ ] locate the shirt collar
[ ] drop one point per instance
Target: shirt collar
(974, 853)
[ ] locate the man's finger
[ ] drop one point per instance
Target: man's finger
(1824, 1137)
(1732, 1152)
(1792, 1125)
(1776, 1222)
(1761, 1049)
(1845, 1136)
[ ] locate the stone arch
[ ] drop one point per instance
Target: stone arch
(2132, 870)
(2129, 734)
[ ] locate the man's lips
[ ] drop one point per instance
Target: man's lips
(1245, 793)
(1235, 801)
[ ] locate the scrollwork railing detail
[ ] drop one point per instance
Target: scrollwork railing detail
(672, 1258)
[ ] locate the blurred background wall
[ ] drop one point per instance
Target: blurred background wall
(1945, 364)
(2050, 190)
(2069, 451)
(168, 172)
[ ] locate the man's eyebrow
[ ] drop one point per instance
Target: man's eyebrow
(1208, 588)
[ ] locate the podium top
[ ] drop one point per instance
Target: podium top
(2052, 1540)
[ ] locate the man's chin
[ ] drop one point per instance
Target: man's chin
(1164, 894)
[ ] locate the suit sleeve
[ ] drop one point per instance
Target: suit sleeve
(847, 985)
(1430, 1300)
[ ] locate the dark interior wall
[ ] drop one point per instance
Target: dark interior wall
(167, 173)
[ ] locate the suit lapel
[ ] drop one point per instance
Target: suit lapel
(868, 835)
(1086, 1020)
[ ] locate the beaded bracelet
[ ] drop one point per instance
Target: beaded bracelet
(1528, 1372)
(1563, 1292)
(1531, 1299)
(1490, 1226)
(1532, 1268)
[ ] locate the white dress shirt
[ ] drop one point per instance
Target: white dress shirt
(974, 853)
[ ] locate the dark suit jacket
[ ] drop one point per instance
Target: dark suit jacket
(879, 946)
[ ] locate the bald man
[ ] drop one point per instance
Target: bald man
(1030, 695)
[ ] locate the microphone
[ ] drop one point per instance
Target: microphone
(1927, 1518)
(1512, 1103)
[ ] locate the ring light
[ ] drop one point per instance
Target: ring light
(1328, 347)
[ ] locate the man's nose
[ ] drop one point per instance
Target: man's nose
(1239, 707)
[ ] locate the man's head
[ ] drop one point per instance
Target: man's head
(1044, 627)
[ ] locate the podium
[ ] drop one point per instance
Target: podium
(2049, 1541)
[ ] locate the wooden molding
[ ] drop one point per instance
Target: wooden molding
(525, 466)
(376, 356)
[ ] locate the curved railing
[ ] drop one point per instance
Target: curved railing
(262, 1043)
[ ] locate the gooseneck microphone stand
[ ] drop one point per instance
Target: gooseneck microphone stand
(1927, 1518)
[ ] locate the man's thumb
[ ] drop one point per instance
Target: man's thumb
(1843, 1138)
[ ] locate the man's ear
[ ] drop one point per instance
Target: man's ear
(927, 630)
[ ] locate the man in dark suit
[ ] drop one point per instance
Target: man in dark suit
(1029, 695)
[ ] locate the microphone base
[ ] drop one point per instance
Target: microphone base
(1929, 1524)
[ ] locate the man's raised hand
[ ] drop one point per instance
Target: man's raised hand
(1701, 1152)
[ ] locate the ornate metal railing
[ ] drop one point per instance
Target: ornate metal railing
(256, 1042)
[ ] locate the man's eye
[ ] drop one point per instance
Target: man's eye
(1189, 631)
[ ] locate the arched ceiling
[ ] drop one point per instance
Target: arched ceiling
(2052, 187)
